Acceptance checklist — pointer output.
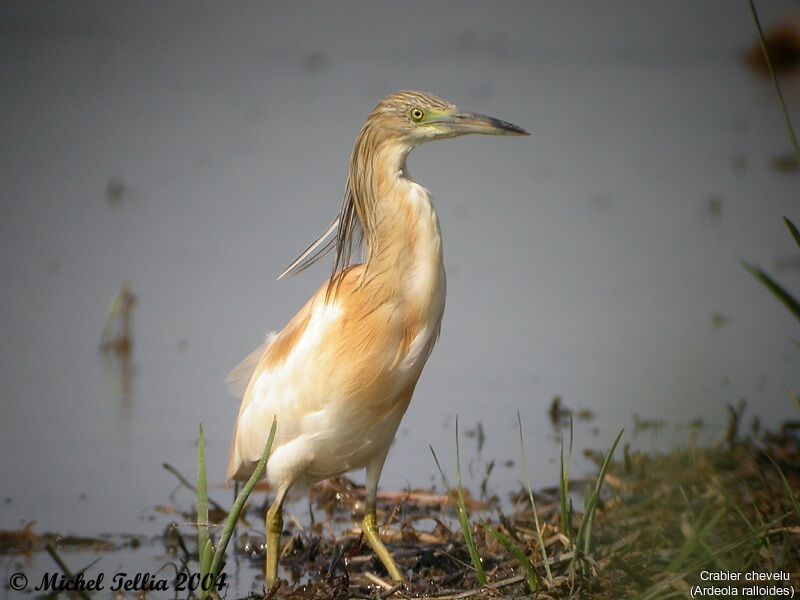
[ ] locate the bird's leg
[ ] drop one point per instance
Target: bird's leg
(370, 528)
(274, 527)
(370, 523)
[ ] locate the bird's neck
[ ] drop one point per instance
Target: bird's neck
(402, 235)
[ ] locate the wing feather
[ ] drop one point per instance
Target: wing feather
(314, 252)
(236, 381)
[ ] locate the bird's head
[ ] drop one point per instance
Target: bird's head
(399, 123)
(412, 118)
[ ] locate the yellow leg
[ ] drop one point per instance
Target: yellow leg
(274, 527)
(370, 523)
(370, 528)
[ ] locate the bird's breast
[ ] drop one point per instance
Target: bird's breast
(423, 282)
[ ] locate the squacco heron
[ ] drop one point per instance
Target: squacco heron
(341, 374)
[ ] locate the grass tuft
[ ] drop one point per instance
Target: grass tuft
(518, 554)
(786, 487)
(461, 512)
(563, 488)
(529, 489)
(583, 540)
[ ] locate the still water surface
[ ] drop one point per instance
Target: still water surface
(193, 154)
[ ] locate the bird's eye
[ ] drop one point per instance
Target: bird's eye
(417, 114)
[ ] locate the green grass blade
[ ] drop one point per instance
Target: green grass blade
(585, 532)
(584, 537)
(441, 471)
(793, 230)
(206, 557)
(657, 591)
(641, 579)
(695, 540)
(542, 549)
(518, 554)
(50, 548)
(566, 501)
(773, 286)
(463, 518)
(461, 512)
(587, 497)
(788, 488)
(787, 120)
(202, 501)
(238, 504)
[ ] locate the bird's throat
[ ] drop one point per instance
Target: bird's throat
(404, 253)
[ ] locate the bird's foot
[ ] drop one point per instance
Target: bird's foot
(370, 528)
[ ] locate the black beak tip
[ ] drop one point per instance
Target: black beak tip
(512, 129)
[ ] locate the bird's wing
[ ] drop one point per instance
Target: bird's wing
(240, 376)
(271, 352)
(236, 381)
(319, 248)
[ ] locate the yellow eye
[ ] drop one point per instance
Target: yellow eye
(417, 114)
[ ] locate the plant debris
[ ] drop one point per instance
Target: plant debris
(659, 520)
(117, 336)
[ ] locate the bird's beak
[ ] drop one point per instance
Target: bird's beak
(460, 123)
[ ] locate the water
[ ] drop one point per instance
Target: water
(587, 261)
